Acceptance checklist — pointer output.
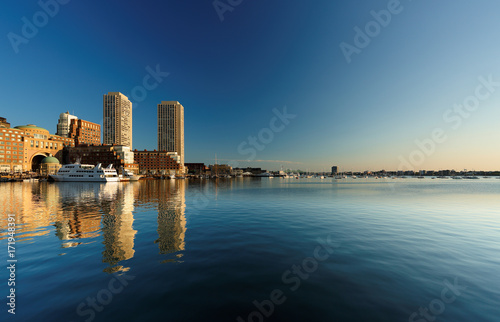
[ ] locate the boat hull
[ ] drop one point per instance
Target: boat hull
(59, 178)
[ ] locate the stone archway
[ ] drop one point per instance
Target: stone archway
(36, 160)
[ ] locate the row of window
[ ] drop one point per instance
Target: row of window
(7, 134)
(8, 152)
(8, 142)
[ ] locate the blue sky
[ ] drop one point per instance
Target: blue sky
(267, 55)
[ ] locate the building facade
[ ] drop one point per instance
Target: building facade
(49, 165)
(220, 169)
(118, 155)
(117, 116)
(158, 162)
(64, 123)
(24, 147)
(39, 143)
(85, 132)
(171, 128)
(195, 168)
(11, 148)
(334, 170)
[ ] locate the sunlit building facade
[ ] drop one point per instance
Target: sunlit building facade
(11, 148)
(171, 128)
(64, 123)
(158, 162)
(24, 147)
(85, 132)
(117, 118)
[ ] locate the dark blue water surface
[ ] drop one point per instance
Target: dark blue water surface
(250, 249)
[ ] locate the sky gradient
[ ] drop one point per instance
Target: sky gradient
(379, 111)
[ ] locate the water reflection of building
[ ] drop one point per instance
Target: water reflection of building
(170, 198)
(117, 221)
(171, 217)
(85, 210)
(34, 206)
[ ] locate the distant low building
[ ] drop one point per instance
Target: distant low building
(221, 169)
(195, 168)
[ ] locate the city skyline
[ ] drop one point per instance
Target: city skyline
(368, 89)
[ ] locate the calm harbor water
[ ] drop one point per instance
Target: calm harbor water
(255, 249)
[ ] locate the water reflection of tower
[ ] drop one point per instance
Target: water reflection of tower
(117, 221)
(171, 216)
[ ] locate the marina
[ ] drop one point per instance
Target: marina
(395, 243)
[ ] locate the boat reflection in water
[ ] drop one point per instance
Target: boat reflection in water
(82, 212)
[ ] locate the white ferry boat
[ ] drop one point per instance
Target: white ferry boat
(86, 172)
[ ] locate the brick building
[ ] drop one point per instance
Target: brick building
(158, 162)
(118, 155)
(85, 132)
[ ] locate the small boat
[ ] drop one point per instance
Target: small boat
(128, 175)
